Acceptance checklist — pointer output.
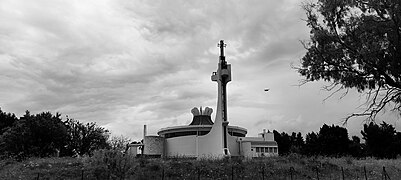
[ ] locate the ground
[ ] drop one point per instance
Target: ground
(113, 165)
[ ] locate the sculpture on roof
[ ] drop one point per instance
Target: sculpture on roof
(206, 112)
(195, 111)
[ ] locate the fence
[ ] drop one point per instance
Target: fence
(236, 172)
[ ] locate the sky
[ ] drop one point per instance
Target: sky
(124, 64)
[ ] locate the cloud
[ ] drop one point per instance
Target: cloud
(124, 64)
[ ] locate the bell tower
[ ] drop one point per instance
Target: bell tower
(218, 140)
(222, 77)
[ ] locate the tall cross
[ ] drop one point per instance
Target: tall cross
(222, 46)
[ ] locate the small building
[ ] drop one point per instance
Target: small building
(262, 146)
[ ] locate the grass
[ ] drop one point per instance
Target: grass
(45, 168)
(113, 165)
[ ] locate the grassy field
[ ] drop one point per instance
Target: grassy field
(112, 165)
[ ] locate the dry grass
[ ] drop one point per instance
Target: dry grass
(113, 165)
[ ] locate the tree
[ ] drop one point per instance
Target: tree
(297, 143)
(84, 138)
(283, 142)
(355, 147)
(356, 44)
(333, 140)
(45, 134)
(397, 143)
(289, 144)
(312, 146)
(381, 141)
(34, 135)
(119, 143)
(6, 121)
(329, 141)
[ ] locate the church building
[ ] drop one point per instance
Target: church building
(204, 138)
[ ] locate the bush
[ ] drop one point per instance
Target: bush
(112, 164)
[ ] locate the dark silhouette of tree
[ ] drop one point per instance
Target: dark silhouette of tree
(288, 144)
(397, 143)
(84, 138)
(283, 142)
(333, 140)
(35, 135)
(299, 140)
(355, 147)
(329, 141)
(312, 146)
(356, 44)
(45, 134)
(6, 121)
(297, 143)
(381, 141)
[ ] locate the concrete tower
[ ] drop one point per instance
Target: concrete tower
(218, 136)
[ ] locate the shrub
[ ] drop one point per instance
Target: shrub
(112, 164)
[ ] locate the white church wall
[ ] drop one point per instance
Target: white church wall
(247, 150)
(181, 146)
(233, 145)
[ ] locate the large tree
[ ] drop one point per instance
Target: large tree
(333, 140)
(6, 121)
(283, 141)
(381, 141)
(356, 44)
(84, 138)
(312, 146)
(34, 135)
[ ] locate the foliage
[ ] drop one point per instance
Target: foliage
(6, 121)
(119, 143)
(112, 164)
(97, 167)
(297, 142)
(356, 44)
(44, 168)
(283, 142)
(329, 141)
(356, 148)
(333, 140)
(289, 144)
(45, 134)
(381, 141)
(34, 135)
(312, 146)
(84, 138)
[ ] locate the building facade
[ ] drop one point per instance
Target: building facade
(204, 138)
(194, 140)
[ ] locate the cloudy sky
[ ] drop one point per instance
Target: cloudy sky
(123, 64)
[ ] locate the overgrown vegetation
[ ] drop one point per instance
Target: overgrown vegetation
(112, 164)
